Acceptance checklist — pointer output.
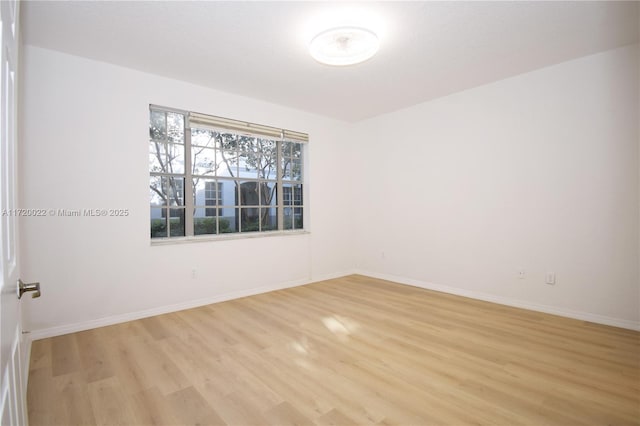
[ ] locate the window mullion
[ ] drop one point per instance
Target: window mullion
(165, 145)
(188, 178)
(279, 190)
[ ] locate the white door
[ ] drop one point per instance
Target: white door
(12, 401)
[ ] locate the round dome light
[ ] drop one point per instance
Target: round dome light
(344, 46)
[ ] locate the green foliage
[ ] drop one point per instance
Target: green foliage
(293, 222)
(207, 225)
(158, 228)
(204, 225)
(250, 226)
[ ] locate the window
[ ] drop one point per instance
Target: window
(210, 175)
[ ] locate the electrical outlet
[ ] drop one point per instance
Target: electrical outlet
(193, 274)
(521, 274)
(550, 278)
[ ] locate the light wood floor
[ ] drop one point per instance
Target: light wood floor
(348, 351)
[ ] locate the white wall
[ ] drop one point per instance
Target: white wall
(537, 172)
(84, 145)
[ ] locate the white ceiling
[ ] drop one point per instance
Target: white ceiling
(258, 49)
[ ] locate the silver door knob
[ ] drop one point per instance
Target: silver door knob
(23, 288)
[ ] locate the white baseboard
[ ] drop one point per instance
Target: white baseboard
(584, 316)
(332, 276)
(116, 319)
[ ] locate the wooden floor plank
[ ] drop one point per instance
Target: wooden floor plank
(150, 407)
(286, 414)
(64, 355)
(40, 354)
(73, 390)
(335, 417)
(44, 409)
(93, 356)
(352, 350)
(109, 402)
(189, 407)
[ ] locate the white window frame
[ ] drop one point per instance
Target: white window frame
(279, 136)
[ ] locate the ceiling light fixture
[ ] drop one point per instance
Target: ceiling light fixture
(344, 46)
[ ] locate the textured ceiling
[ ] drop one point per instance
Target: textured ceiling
(258, 49)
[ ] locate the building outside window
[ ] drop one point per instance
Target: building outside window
(212, 197)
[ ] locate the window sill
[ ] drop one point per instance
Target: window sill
(223, 237)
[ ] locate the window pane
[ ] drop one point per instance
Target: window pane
(158, 223)
(248, 166)
(207, 192)
(199, 192)
(203, 138)
(296, 150)
(268, 194)
(203, 161)
(296, 169)
(227, 142)
(269, 219)
(288, 218)
(287, 149)
(226, 192)
(250, 219)
(174, 190)
(286, 169)
(268, 163)
(249, 194)
(297, 195)
(158, 126)
(226, 163)
(175, 158)
(176, 222)
(228, 222)
(293, 218)
(248, 157)
(287, 194)
(175, 127)
(157, 157)
(156, 193)
(292, 196)
(291, 161)
(203, 223)
(297, 218)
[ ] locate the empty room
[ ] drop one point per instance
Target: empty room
(320, 213)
